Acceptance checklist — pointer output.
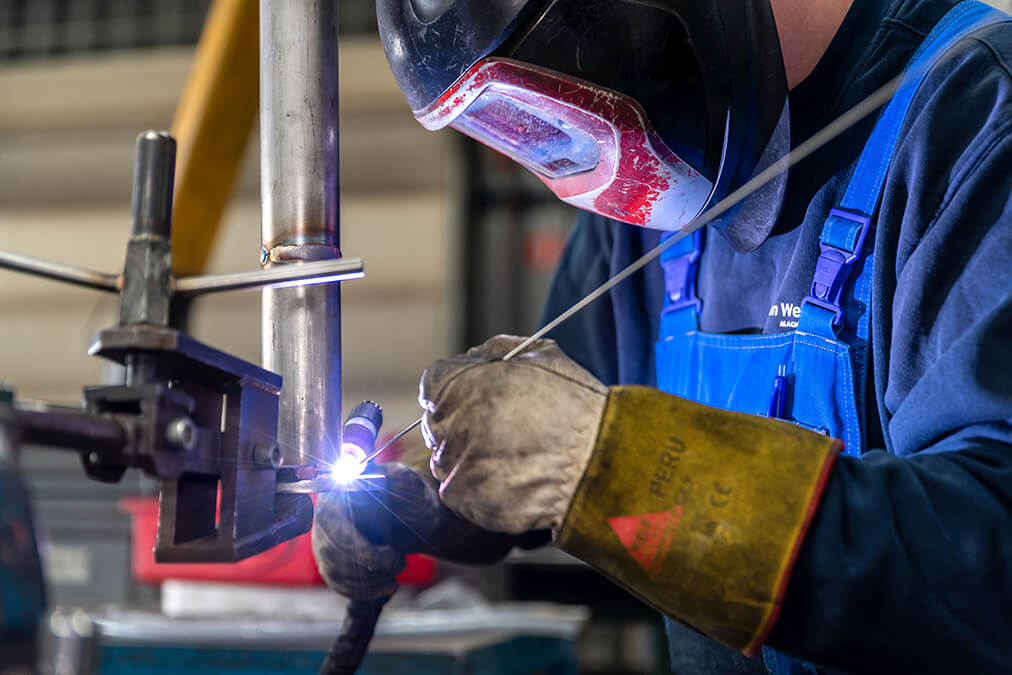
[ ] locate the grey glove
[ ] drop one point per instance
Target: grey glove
(510, 439)
(360, 538)
(354, 545)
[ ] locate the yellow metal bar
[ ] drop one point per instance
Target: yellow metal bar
(212, 127)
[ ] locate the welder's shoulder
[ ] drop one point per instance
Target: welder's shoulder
(958, 134)
(945, 231)
(978, 72)
(966, 98)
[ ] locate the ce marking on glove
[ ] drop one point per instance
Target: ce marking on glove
(721, 496)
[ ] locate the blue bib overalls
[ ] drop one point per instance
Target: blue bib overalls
(814, 376)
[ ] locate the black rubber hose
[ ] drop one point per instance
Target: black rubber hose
(407, 515)
(375, 520)
(346, 655)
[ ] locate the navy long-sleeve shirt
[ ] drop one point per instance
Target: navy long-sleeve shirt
(908, 564)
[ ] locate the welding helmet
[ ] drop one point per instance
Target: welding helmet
(645, 111)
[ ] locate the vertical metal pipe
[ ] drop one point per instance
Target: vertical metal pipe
(299, 219)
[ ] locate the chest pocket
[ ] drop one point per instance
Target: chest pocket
(808, 376)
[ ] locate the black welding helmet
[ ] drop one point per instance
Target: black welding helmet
(646, 111)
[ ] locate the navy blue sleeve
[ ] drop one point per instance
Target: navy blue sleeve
(908, 563)
(589, 337)
(613, 337)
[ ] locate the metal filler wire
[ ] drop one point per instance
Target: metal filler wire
(832, 130)
(817, 141)
(827, 134)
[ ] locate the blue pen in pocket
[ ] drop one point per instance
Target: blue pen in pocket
(778, 400)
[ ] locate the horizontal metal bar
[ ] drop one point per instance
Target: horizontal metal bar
(284, 276)
(70, 429)
(59, 272)
(365, 482)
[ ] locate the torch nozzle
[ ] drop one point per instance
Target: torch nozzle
(358, 441)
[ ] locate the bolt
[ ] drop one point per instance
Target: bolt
(82, 624)
(182, 433)
(267, 456)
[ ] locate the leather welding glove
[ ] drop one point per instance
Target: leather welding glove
(696, 510)
(347, 560)
(360, 538)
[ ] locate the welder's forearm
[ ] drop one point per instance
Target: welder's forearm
(410, 517)
(906, 567)
(459, 541)
(456, 540)
(698, 511)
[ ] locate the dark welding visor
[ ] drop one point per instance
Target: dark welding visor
(681, 98)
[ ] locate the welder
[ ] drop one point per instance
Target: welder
(791, 435)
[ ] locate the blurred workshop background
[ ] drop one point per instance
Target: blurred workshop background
(459, 245)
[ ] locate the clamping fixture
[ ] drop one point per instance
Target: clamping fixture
(201, 421)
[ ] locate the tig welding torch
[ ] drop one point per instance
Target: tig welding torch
(393, 512)
(399, 516)
(393, 505)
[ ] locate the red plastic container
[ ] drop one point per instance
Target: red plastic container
(290, 564)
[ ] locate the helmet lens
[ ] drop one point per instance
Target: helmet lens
(544, 143)
(593, 147)
(638, 48)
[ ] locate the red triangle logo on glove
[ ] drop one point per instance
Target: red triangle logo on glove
(648, 536)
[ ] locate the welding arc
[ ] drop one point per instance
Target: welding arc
(829, 132)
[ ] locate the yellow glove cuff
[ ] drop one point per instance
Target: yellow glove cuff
(698, 511)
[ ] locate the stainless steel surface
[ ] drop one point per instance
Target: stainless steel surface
(59, 272)
(285, 253)
(285, 276)
(299, 214)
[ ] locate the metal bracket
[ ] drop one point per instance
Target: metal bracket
(233, 407)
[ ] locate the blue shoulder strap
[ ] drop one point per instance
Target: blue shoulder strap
(846, 229)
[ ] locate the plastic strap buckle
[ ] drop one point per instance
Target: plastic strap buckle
(680, 284)
(835, 263)
(680, 280)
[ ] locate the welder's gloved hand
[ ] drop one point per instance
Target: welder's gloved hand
(698, 511)
(352, 541)
(510, 439)
(360, 538)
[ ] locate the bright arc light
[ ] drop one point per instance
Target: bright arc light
(350, 465)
